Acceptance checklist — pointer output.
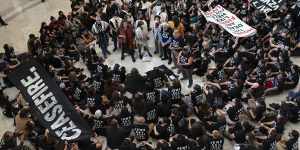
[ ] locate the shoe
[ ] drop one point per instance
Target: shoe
(173, 67)
(141, 57)
(169, 62)
(150, 54)
(133, 60)
(155, 52)
(114, 49)
(122, 58)
(108, 52)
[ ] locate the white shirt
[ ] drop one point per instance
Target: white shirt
(144, 26)
(163, 17)
(113, 21)
(95, 28)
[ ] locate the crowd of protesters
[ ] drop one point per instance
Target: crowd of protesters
(130, 111)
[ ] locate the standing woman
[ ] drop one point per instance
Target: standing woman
(185, 61)
(141, 39)
(126, 39)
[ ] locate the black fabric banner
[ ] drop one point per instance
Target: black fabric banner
(52, 107)
(266, 6)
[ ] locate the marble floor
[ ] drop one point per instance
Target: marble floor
(25, 16)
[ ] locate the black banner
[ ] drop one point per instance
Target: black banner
(266, 6)
(52, 107)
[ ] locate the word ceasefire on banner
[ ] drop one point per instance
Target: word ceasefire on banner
(51, 106)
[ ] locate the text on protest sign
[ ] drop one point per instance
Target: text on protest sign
(230, 22)
(266, 6)
(51, 106)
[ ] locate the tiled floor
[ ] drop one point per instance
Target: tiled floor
(25, 16)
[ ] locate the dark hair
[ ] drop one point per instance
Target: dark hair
(295, 134)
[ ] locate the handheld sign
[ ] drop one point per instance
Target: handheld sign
(53, 109)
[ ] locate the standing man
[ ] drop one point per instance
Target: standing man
(165, 39)
(156, 31)
(2, 22)
(100, 29)
(141, 39)
(185, 61)
(115, 23)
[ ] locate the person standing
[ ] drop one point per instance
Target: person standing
(126, 39)
(185, 61)
(141, 39)
(115, 23)
(2, 22)
(175, 46)
(100, 29)
(34, 45)
(156, 31)
(165, 39)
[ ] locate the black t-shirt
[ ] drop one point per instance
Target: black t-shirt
(119, 105)
(93, 101)
(269, 144)
(151, 112)
(198, 98)
(216, 144)
(98, 85)
(125, 119)
(175, 95)
(184, 59)
(151, 96)
(157, 78)
(292, 144)
(79, 94)
(140, 132)
(181, 145)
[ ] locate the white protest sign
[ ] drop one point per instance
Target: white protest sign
(230, 22)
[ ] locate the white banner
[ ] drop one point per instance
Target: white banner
(230, 22)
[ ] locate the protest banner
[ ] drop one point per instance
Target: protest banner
(230, 22)
(48, 102)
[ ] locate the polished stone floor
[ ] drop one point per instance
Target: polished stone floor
(25, 16)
